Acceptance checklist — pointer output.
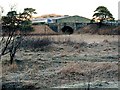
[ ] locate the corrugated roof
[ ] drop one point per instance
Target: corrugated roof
(73, 19)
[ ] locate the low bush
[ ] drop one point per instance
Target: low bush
(31, 43)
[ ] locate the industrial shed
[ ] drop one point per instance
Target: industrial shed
(73, 19)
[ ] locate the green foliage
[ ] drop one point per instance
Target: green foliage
(13, 22)
(25, 26)
(102, 13)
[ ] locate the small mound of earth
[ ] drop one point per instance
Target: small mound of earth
(103, 30)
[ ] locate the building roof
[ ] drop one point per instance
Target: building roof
(73, 19)
(62, 19)
(46, 20)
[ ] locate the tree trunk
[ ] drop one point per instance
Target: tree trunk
(88, 88)
(100, 24)
(11, 58)
(13, 50)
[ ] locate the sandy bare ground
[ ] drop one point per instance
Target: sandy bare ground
(68, 61)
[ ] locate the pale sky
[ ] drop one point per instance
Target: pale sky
(83, 8)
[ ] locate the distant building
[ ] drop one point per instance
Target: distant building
(61, 19)
(39, 20)
(73, 19)
(113, 23)
(57, 23)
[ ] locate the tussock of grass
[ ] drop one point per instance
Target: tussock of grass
(31, 43)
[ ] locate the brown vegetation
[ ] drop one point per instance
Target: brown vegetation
(91, 29)
(43, 30)
(103, 30)
(51, 61)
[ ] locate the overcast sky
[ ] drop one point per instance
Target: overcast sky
(63, 7)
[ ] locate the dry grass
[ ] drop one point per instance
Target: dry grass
(30, 43)
(43, 30)
(78, 38)
(103, 30)
(85, 67)
(63, 64)
(89, 71)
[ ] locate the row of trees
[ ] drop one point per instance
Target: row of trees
(14, 26)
